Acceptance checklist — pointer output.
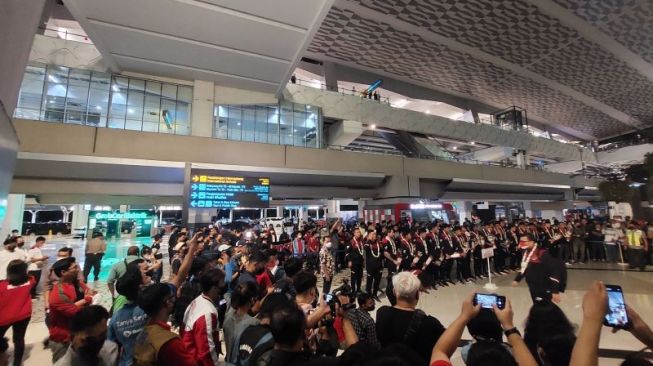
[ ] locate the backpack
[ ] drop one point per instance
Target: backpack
(265, 343)
(261, 354)
(187, 293)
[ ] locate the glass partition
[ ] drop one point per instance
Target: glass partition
(295, 125)
(84, 97)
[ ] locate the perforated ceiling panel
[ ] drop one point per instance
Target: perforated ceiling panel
(346, 36)
(629, 22)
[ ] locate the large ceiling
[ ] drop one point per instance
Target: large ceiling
(248, 44)
(585, 66)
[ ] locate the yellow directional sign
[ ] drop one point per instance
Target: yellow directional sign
(195, 178)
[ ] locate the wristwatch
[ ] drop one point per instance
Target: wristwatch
(511, 331)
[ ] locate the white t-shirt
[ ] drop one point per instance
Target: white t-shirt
(5, 258)
(35, 253)
(22, 254)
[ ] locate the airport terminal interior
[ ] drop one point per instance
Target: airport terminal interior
(179, 178)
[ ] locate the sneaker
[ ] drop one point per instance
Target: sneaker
(376, 298)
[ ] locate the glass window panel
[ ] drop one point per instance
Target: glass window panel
(222, 122)
(98, 99)
(311, 127)
(261, 124)
(299, 125)
(182, 121)
(152, 108)
(77, 98)
(135, 100)
(168, 111)
(273, 124)
(235, 121)
(185, 94)
(118, 109)
(169, 91)
(153, 88)
(249, 122)
(56, 90)
(285, 124)
(31, 93)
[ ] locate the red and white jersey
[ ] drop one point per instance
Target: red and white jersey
(200, 332)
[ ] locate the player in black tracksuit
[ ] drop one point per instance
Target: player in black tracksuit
(546, 276)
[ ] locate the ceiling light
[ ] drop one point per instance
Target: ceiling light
(455, 147)
(98, 107)
(115, 88)
(427, 111)
(472, 143)
(372, 126)
(130, 110)
(400, 103)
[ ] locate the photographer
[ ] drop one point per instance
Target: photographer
(358, 325)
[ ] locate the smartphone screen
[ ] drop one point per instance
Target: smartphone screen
(617, 316)
(487, 301)
(328, 297)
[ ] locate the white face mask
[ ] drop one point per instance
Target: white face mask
(328, 245)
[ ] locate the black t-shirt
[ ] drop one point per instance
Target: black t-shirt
(392, 324)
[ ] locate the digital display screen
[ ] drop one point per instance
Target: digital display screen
(488, 301)
(617, 316)
(209, 189)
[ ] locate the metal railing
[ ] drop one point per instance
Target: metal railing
(367, 150)
(65, 34)
(344, 91)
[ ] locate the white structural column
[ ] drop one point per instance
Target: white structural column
(14, 217)
(464, 210)
(333, 209)
(344, 133)
(202, 110)
(80, 217)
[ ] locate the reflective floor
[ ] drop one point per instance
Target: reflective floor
(443, 303)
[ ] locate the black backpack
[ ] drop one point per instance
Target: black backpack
(190, 290)
(262, 337)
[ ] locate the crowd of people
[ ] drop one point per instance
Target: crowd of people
(255, 291)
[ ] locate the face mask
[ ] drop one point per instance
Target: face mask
(328, 245)
(91, 347)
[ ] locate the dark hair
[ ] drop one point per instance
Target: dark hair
(556, 349)
(271, 253)
(489, 353)
(87, 317)
(485, 326)
(304, 281)
(198, 265)
(545, 319)
(397, 354)
(211, 278)
(129, 284)
(258, 257)
(11, 240)
(243, 294)
(272, 303)
(287, 325)
(292, 266)
(17, 272)
(66, 249)
(146, 250)
(133, 250)
(153, 297)
(637, 359)
(40, 238)
(62, 264)
(363, 298)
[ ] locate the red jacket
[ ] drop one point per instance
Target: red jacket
(200, 332)
(16, 301)
(62, 309)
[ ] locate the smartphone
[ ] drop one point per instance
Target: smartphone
(617, 316)
(487, 301)
(328, 297)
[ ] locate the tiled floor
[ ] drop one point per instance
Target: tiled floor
(443, 303)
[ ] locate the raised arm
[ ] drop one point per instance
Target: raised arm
(520, 351)
(595, 306)
(450, 339)
(180, 277)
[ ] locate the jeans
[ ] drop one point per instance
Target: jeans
(578, 250)
(611, 252)
(18, 337)
(93, 260)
